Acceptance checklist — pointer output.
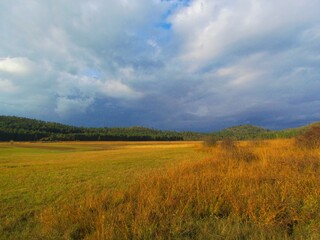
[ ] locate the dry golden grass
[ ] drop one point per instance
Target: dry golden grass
(254, 190)
(36, 176)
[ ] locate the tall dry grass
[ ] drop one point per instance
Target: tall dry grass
(254, 190)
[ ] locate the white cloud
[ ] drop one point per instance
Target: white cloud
(89, 87)
(7, 86)
(16, 65)
(245, 72)
(118, 89)
(155, 46)
(211, 29)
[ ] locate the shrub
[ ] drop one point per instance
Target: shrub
(228, 144)
(210, 141)
(233, 152)
(310, 138)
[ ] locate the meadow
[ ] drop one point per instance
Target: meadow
(35, 176)
(160, 190)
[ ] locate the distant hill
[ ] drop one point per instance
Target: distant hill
(245, 132)
(241, 132)
(25, 129)
(289, 132)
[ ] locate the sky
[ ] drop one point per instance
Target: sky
(198, 65)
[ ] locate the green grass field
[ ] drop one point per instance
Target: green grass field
(35, 176)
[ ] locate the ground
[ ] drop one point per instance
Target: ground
(34, 176)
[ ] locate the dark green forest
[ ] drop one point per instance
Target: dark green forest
(25, 129)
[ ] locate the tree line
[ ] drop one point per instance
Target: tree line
(24, 129)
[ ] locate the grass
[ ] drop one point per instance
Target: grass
(244, 190)
(35, 176)
(254, 190)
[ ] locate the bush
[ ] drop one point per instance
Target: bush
(234, 152)
(310, 138)
(210, 141)
(228, 144)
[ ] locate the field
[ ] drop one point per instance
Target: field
(159, 190)
(34, 176)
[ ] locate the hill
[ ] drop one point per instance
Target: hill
(25, 129)
(289, 132)
(241, 132)
(246, 132)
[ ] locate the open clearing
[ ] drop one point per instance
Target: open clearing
(160, 190)
(34, 176)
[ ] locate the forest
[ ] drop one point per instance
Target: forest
(14, 128)
(24, 129)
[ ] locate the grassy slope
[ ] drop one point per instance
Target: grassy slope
(34, 176)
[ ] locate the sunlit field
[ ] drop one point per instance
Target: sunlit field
(35, 176)
(178, 190)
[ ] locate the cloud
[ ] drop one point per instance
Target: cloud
(78, 93)
(118, 90)
(184, 65)
(7, 86)
(244, 73)
(16, 65)
(67, 43)
(66, 106)
(212, 29)
(71, 85)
